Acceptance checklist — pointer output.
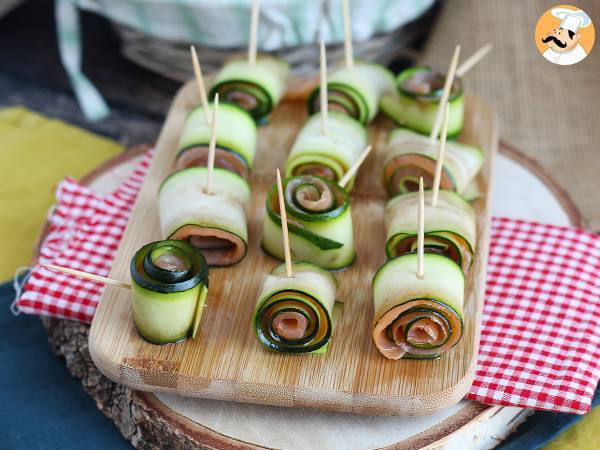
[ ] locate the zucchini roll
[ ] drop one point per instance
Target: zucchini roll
(234, 150)
(416, 102)
(215, 223)
(319, 222)
(418, 318)
(294, 315)
(169, 282)
(327, 155)
(355, 92)
(449, 227)
(257, 88)
(411, 156)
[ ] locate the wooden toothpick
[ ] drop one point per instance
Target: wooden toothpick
(473, 59)
(437, 179)
(253, 32)
(200, 82)
(212, 144)
(421, 233)
(87, 276)
(348, 35)
(445, 95)
(284, 228)
(352, 170)
(323, 89)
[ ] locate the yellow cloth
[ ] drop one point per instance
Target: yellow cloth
(35, 154)
(581, 436)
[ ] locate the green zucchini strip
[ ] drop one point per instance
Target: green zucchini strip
(319, 222)
(235, 150)
(415, 103)
(410, 156)
(294, 315)
(327, 155)
(418, 318)
(256, 88)
(355, 92)
(449, 227)
(169, 288)
(215, 223)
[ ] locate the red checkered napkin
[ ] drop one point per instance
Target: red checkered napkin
(84, 233)
(540, 342)
(540, 338)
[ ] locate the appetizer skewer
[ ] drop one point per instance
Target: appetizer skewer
(320, 223)
(293, 311)
(213, 222)
(328, 144)
(169, 286)
(356, 88)
(169, 289)
(449, 230)
(411, 156)
(233, 151)
(420, 90)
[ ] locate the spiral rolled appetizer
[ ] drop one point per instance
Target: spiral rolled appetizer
(169, 282)
(449, 228)
(416, 102)
(213, 222)
(418, 318)
(256, 88)
(328, 155)
(294, 315)
(355, 91)
(234, 150)
(411, 156)
(319, 222)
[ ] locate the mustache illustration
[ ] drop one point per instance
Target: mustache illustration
(556, 41)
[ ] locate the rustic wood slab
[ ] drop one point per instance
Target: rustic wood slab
(226, 362)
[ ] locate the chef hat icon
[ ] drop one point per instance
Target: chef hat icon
(571, 19)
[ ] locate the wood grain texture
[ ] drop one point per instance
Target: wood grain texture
(226, 362)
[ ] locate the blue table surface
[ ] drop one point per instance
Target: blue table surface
(43, 407)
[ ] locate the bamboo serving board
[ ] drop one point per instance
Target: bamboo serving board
(226, 362)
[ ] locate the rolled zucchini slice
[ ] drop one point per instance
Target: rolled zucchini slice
(411, 156)
(319, 222)
(294, 315)
(236, 140)
(449, 227)
(214, 223)
(169, 288)
(355, 92)
(418, 318)
(257, 89)
(327, 155)
(415, 103)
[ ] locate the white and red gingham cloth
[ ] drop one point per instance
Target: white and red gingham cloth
(540, 340)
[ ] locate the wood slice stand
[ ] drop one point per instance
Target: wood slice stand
(148, 422)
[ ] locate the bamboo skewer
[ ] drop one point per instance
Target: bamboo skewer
(445, 95)
(470, 62)
(200, 82)
(323, 89)
(253, 32)
(284, 228)
(347, 35)
(212, 144)
(440, 158)
(421, 233)
(87, 276)
(352, 170)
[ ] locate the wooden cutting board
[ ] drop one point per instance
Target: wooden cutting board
(226, 362)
